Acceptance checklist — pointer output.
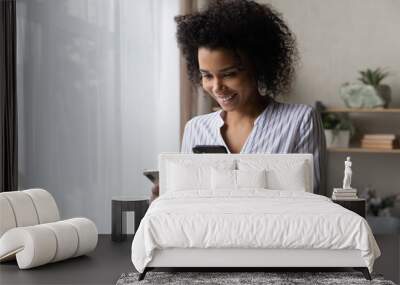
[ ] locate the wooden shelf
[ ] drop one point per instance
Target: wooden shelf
(349, 110)
(363, 150)
(354, 110)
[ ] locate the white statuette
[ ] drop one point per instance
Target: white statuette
(347, 174)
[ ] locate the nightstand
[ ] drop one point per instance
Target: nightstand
(358, 206)
(121, 205)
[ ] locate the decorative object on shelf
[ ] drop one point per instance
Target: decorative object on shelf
(374, 78)
(380, 141)
(347, 174)
(379, 216)
(370, 93)
(337, 127)
(379, 206)
(346, 192)
(356, 95)
(365, 111)
(337, 138)
(368, 146)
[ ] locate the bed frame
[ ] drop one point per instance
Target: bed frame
(248, 259)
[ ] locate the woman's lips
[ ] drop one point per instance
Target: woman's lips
(226, 99)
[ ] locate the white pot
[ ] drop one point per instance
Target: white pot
(339, 138)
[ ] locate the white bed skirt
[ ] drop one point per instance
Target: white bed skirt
(193, 257)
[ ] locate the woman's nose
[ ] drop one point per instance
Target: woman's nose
(218, 86)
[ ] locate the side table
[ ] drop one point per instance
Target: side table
(122, 204)
(358, 206)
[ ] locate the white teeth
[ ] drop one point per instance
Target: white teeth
(225, 99)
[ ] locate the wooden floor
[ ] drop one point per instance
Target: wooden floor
(111, 259)
(102, 266)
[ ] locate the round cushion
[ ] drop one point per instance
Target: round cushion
(7, 216)
(40, 244)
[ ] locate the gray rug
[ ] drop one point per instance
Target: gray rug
(230, 278)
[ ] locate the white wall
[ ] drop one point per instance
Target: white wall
(98, 100)
(337, 39)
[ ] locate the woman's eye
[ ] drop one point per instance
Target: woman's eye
(206, 76)
(230, 74)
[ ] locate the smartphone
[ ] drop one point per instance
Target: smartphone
(152, 174)
(209, 149)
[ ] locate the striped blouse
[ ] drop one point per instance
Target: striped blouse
(280, 128)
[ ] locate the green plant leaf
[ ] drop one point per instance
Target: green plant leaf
(373, 76)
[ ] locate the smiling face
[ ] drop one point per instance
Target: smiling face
(229, 81)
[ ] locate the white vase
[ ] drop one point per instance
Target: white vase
(337, 138)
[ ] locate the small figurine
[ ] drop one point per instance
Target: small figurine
(347, 192)
(347, 174)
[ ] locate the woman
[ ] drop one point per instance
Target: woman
(243, 55)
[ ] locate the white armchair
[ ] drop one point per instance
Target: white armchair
(31, 230)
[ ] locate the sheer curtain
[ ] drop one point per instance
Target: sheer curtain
(98, 98)
(194, 100)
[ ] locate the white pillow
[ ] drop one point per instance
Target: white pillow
(223, 179)
(237, 179)
(251, 178)
(184, 175)
(281, 174)
(293, 178)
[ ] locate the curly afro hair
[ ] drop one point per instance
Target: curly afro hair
(256, 30)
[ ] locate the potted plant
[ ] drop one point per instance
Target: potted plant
(378, 212)
(338, 129)
(374, 77)
(369, 93)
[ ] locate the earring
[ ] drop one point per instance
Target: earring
(262, 88)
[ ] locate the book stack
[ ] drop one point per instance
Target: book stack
(344, 194)
(379, 141)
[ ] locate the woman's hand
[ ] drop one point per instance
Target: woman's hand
(155, 192)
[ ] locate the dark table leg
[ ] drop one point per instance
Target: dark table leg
(117, 221)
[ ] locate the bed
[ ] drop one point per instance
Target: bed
(242, 211)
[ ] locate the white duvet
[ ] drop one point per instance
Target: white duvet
(250, 219)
